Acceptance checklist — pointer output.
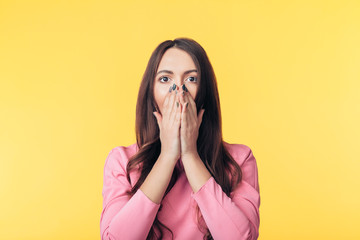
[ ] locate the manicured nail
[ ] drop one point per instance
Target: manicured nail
(174, 86)
(183, 87)
(170, 88)
(186, 104)
(175, 92)
(177, 104)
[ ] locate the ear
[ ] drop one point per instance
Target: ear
(158, 117)
(200, 116)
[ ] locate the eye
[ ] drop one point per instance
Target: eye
(164, 79)
(192, 79)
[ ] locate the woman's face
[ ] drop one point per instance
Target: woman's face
(176, 66)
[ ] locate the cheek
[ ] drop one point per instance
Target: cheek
(193, 92)
(160, 95)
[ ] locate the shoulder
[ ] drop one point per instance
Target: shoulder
(240, 152)
(244, 156)
(119, 156)
(127, 151)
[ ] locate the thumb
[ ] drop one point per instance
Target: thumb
(158, 117)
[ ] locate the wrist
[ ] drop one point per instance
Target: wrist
(167, 157)
(192, 154)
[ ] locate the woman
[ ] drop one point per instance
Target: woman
(180, 180)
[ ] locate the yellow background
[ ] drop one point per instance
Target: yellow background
(289, 80)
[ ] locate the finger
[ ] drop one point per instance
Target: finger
(178, 113)
(183, 103)
(184, 117)
(166, 101)
(173, 106)
(192, 103)
(189, 109)
(180, 101)
(188, 115)
(181, 98)
(170, 104)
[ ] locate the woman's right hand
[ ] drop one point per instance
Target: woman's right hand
(157, 181)
(169, 125)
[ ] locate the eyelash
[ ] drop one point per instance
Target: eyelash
(160, 79)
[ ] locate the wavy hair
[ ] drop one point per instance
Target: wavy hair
(218, 161)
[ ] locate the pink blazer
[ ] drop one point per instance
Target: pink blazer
(227, 218)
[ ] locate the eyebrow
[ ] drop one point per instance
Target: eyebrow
(170, 72)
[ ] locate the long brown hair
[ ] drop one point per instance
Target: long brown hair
(210, 146)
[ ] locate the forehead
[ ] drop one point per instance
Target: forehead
(176, 59)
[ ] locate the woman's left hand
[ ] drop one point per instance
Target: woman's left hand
(190, 124)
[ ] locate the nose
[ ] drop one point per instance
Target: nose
(179, 85)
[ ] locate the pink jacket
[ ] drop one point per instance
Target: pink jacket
(227, 218)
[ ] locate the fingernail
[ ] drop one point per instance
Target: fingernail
(175, 92)
(183, 87)
(170, 88)
(177, 104)
(186, 104)
(174, 86)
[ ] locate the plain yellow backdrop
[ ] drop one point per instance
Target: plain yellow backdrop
(289, 80)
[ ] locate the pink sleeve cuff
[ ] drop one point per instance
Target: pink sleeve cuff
(200, 192)
(139, 211)
(222, 215)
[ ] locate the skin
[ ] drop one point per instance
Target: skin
(177, 61)
(178, 124)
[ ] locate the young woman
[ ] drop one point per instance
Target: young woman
(181, 180)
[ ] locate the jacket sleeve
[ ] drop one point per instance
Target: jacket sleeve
(123, 217)
(236, 217)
